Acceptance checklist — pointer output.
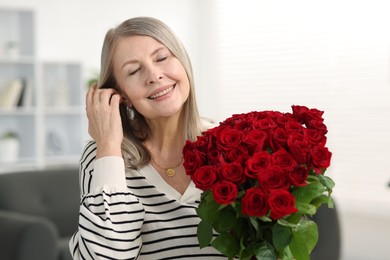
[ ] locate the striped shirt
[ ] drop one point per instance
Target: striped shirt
(134, 214)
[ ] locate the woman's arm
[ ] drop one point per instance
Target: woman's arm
(110, 216)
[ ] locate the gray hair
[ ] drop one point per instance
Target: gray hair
(137, 131)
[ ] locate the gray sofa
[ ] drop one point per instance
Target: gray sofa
(329, 234)
(38, 213)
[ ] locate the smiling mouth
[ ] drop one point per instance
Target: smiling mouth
(162, 93)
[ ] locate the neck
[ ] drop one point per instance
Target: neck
(166, 140)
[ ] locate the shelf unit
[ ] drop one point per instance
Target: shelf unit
(63, 113)
(51, 122)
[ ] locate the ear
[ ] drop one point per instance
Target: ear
(126, 101)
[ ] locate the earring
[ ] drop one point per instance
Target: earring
(130, 112)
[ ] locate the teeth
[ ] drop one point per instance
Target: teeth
(162, 93)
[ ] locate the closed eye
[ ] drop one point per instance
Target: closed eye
(162, 58)
(134, 71)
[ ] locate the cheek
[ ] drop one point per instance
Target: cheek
(184, 81)
(130, 93)
(186, 89)
(177, 70)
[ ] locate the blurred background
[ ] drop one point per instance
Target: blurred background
(247, 55)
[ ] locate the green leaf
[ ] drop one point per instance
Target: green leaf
(304, 238)
(330, 203)
(204, 233)
(326, 181)
(226, 220)
(265, 219)
(254, 223)
(285, 254)
(286, 223)
(306, 194)
(281, 236)
(244, 230)
(312, 178)
(322, 199)
(245, 256)
(226, 244)
(294, 219)
(206, 194)
(306, 208)
(265, 251)
(246, 251)
(208, 210)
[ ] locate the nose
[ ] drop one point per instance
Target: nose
(154, 75)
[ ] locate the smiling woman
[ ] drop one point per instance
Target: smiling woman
(136, 199)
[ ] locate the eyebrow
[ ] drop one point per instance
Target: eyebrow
(135, 61)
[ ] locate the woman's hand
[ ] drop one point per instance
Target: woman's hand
(104, 121)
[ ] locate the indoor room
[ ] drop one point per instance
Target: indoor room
(249, 55)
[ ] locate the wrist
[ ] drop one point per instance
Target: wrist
(105, 149)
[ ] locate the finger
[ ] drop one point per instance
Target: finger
(104, 95)
(115, 100)
(94, 85)
(89, 96)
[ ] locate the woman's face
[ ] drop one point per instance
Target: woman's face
(150, 77)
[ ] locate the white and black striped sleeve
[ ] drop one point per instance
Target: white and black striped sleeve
(111, 216)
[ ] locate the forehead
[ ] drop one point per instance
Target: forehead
(134, 49)
(136, 46)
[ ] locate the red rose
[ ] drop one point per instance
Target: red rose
(268, 114)
(283, 119)
(204, 142)
(224, 192)
(238, 154)
(232, 172)
(235, 120)
(257, 164)
(278, 139)
(313, 114)
(305, 115)
(256, 140)
(294, 127)
(265, 124)
(320, 158)
(193, 159)
(215, 157)
(205, 177)
(317, 125)
(229, 138)
(243, 126)
(299, 175)
(213, 132)
(254, 202)
(315, 137)
(298, 111)
(299, 147)
(189, 146)
(281, 203)
(284, 160)
(273, 178)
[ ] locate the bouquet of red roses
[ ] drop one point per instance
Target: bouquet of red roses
(262, 176)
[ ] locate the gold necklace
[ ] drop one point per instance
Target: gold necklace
(170, 172)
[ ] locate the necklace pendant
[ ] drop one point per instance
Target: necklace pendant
(170, 172)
